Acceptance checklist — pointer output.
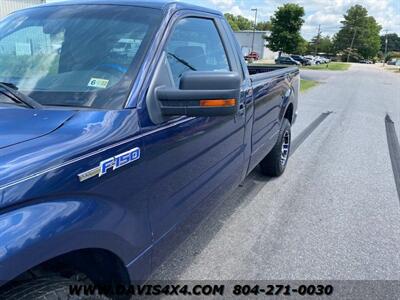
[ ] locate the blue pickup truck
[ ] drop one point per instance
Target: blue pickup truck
(118, 120)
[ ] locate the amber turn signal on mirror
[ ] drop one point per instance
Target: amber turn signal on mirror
(218, 102)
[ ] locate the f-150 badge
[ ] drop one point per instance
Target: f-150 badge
(111, 163)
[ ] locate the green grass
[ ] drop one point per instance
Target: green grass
(332, 66)
(390, 68)
(307, 84)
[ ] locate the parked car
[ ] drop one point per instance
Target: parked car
(326, 60)
(366, 61)
(319, 60)
(104, 156)
(286, 60)
(301, 59)
(252, 56)
(311, 59)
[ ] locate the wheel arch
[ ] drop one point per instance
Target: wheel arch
(289, 113)
(101, 266)
(40, 234)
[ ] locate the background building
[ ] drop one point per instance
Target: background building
(245, 39)
(8, 6)
(29, 42)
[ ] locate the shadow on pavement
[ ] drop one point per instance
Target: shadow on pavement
(206, 220)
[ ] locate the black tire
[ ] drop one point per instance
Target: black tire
(47, 288)
(274, 164)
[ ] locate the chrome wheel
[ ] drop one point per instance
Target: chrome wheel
(285, 147)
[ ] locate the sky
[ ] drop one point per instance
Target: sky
(326, 13)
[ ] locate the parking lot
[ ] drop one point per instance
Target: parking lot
(334, 214)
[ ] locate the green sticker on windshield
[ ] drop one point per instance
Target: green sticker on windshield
(98, 83)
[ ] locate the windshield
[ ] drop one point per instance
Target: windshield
(76, 55)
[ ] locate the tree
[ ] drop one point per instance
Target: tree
(263, 26)
(241, 23)
(285, 28)
(232, 21)
(314, 44)
(391, 55)
(359, 33)
(321, 44)
(393, 42)
(326, 45)
(302, 47)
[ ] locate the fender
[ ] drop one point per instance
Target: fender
(38, 232)
(289, 98)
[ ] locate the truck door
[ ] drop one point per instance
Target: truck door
(189, 158)
(268, 98)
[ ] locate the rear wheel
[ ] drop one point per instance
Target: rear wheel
(274, 164)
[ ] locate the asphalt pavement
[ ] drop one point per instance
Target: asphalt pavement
(333, 215)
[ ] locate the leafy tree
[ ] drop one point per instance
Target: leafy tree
(322, 44)
(393, 42)
(354, 56)
(360, 30)
(232, 21)
(326, 45)
(313, 46)
(263, 26)
(380, 55)
(241, 23)
(302, 47)
(391, 55)
(285, 28)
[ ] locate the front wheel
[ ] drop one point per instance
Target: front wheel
(274, 164)
(49, 288)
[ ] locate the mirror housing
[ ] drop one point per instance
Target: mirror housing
(202, 93)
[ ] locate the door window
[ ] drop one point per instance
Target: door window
(195, 45)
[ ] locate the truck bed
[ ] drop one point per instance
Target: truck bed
(263, 68)
(263, 71)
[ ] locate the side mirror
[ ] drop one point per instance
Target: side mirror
(202, 94)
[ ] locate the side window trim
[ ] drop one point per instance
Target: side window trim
(219, 31)
(229, 48)
(144, 93)
(222, 35)
(140, 91)
(237, 52)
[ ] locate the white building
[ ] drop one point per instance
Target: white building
(8, 6)
(245, 39)
(15, 45)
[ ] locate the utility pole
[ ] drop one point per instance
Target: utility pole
(386, 46)
(254, 29)
(317, 41)
(352, 42)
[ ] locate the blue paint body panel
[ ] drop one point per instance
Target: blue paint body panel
(41, 122)
(135, 210)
